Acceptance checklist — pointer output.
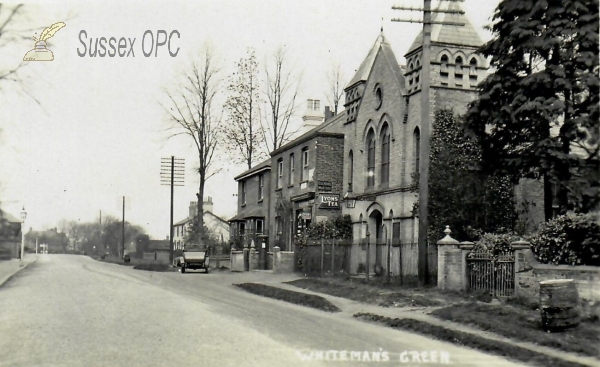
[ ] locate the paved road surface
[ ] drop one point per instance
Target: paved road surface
(73, 311)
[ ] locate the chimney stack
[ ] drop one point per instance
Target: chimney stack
(193, 210)
(328, 113)
(208, 205)
(313, 116)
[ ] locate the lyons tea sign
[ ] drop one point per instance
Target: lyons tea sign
(329, 201)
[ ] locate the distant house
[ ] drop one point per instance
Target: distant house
(10, 236)
(217, 225)
(254, 195)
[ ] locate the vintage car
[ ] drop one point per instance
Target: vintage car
(193, 259)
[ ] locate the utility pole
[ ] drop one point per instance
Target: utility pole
(172, 173)
(425, 123)
(123, 231)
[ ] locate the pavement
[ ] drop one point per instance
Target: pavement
(67, 310)
(8, 268)
(421, 314)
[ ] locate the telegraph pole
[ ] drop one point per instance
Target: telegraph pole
(425, 123)
(172, 173)
(123, 231)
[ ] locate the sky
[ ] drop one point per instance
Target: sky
(97, 132)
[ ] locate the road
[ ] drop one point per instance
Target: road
(67, 310)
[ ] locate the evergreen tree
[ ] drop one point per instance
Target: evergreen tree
(537, 113)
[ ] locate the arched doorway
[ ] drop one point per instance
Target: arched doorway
(376, 220)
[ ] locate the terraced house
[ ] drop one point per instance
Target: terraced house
(254, 197)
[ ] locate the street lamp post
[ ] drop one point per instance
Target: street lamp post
(23, 216)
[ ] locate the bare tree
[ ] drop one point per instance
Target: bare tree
(335, 92)
(281, 92)
(191, 114)
(244, 129)
(8, 15)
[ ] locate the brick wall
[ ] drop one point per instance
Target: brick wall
(529, 274)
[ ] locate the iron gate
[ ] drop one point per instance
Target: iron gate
(495, 273)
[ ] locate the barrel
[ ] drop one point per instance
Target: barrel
(559, 304)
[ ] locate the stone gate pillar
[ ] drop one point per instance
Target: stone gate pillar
(449, 262)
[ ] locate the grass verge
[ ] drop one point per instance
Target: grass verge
(469, 340)
(525, 325)
(154, 267)
(377, 293)
(298, 298)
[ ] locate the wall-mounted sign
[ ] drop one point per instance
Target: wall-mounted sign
(324, 186)
(305, 215)
(329, 201)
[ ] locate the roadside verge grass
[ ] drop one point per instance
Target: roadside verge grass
(378, 294)
(154, 267)
(297, 298)
(469, 340)
(524, 325)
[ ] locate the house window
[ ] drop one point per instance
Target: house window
(350, 170)
(243, 192)
(259, 226)
(371, 159)
(314, 104)
(279, 172)
(291, 177)
(305, 164)
(417, 150)
(385, 157)
(261, 184)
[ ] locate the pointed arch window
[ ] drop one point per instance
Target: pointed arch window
(444, 65)
(350, 170)
(459, 67)
(417, 152)
(385, 156)
(371, 159)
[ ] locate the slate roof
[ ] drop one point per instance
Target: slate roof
(321, 129)
(363, 72)
(450, 34)
(265, 165)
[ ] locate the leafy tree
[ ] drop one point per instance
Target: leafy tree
(537, 114)
(462, 195)
(243, 132)
(281, 92)
(208, 237)
(191, 114)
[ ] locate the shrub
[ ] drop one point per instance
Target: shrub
(497, 244)
(568, 239)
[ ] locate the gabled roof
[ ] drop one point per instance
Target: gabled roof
(362, 74)
(366, 66)
(8, 217)
(318, 130)
(465, 35)
(263, 166)
(216, 216)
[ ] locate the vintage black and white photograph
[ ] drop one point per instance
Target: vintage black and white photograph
(299, 183)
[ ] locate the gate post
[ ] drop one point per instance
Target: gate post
(465, 247)
(447, 265)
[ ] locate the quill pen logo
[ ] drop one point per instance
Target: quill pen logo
(40, 52)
